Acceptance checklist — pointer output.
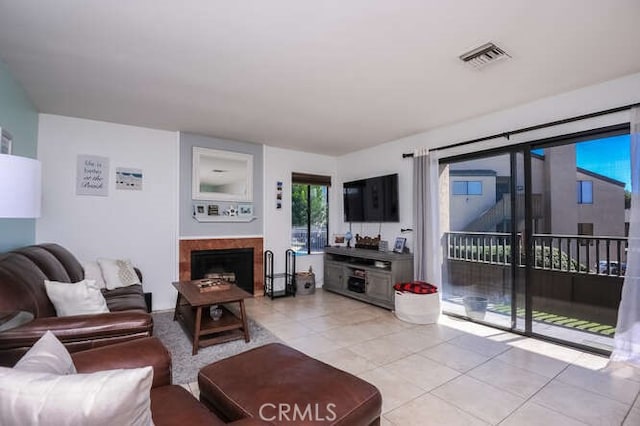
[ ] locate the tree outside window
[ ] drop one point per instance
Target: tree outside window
(309, 215)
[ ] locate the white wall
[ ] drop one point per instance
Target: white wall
(140, 225)
(378, 161)
(279, 164)
(387, 158)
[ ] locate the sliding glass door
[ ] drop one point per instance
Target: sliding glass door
(535, 238)
(580, 245)
(483, 238)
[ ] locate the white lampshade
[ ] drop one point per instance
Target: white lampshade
(20, 183)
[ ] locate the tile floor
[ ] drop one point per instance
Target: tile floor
(454, 372)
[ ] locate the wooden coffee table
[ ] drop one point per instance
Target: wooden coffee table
(205, 331)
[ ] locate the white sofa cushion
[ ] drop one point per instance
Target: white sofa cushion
(92, 271)
(83, 297)
(47, 355)
(118, 273)
(111, 397)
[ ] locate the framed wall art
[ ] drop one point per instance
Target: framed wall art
(92, 175)
(130, 179)
(6, 142)
(279, 195)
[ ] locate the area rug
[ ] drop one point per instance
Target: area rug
(185, 366)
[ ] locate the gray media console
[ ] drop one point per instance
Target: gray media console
(366, 275)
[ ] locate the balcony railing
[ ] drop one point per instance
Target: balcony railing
(565, 253)
(300, 239)
(485, 247)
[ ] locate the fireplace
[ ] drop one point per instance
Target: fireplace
(188, 246)
(238, 262)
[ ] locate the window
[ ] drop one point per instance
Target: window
(585, 192)
(585, 229)
(467, 187)
(309, 212)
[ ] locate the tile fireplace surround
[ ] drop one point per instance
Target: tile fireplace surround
(187, 246)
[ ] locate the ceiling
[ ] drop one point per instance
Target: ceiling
(328, 76)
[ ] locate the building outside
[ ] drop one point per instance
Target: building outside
(566, 201)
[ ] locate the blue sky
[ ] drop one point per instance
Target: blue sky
(609, 157)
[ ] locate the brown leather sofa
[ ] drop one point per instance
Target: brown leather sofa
(22, 275)
(170, 404)
(244, 389)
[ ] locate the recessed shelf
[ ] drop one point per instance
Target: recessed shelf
(224, 218)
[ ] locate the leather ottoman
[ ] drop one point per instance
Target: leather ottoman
(286, 387)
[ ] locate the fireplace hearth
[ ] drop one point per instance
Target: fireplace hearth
(228, 261)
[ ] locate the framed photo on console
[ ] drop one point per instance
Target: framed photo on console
(398, 247)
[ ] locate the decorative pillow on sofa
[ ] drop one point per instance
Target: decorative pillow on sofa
(92, 271)
(83, 297)
(111, 397)
(47, 355)
(118, 273)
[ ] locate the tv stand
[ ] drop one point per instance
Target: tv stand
(366, 275)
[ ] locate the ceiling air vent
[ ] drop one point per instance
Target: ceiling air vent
(484, 55)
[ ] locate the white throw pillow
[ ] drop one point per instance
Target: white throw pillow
(83, 297)
(47, 355)
(92, 271)
(118, 273)
(111, 397)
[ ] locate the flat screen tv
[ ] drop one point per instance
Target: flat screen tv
(371, 200)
